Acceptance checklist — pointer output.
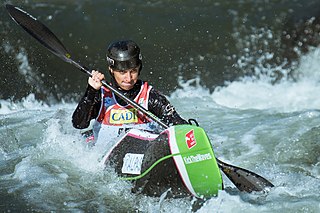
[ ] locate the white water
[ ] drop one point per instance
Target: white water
(272, 130)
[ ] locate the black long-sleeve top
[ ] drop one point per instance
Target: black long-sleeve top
(89, 106)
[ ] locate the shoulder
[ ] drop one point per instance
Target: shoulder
(154, 93)
(157, 97)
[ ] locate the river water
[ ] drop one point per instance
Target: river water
(248, 71)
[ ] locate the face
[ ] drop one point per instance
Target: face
(126, 79)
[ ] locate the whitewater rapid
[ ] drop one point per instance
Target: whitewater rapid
(270, 129)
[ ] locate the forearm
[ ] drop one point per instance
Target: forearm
(87, 108)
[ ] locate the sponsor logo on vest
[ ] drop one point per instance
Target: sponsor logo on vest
(197, 158)
(123, 116)
(108, 100)
(190, 139)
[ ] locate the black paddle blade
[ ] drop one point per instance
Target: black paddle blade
(39, 31)
(243, 179)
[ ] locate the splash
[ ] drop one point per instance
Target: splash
(252, 92)
(189, 88)
(29, 102)
(285, 96)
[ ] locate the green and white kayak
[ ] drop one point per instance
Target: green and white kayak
(179, 160)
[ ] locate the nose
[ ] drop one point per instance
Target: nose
(128, 76)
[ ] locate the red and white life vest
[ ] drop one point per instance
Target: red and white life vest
(112, 113)
(113, 118)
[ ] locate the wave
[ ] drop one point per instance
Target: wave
(261, 93)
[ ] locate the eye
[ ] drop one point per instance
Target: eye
(134, 71)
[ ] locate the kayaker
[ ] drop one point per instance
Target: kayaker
(112, 114)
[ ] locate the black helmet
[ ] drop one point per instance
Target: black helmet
(123, 55)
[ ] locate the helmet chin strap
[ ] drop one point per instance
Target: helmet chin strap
(140, 68)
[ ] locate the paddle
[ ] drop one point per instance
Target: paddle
(243, 179)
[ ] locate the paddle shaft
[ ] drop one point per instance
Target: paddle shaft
(243, 179)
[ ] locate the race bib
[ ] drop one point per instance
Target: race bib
(132, 163)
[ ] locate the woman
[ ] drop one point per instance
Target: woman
(113, 115)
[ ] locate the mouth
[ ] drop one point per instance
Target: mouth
(127, 85)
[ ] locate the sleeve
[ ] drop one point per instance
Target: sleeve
(162, 108)
(87, 109)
